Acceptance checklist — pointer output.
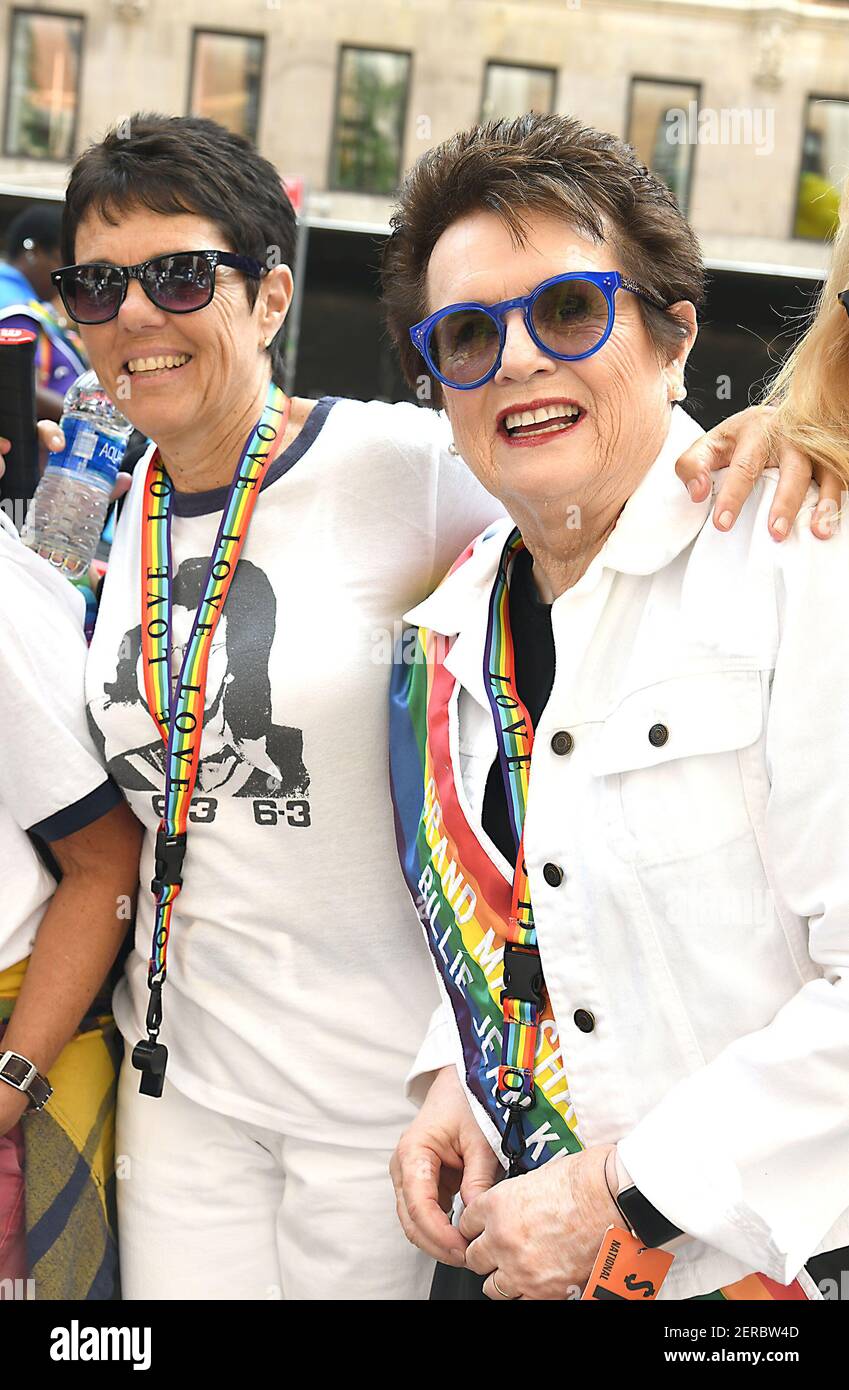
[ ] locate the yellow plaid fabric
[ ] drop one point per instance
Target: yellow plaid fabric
(69, 1162)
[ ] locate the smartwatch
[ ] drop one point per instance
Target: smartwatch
(24, 1076)
(643, 1220)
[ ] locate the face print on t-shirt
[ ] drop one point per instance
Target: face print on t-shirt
(243, 752)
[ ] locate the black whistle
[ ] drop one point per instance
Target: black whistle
(151, 1059)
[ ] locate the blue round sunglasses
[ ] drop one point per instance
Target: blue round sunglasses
(568, 317)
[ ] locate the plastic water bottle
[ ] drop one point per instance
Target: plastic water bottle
(68, 511)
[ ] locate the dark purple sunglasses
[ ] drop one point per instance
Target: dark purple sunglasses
(180, 283)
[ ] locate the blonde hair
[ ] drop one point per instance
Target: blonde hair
(811, 390)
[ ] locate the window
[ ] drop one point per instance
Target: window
(43, 85)
(824, 145)
(511, 90)
(371, 104)
(226, 79)
(663, 129)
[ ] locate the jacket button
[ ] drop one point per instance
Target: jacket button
(562, 742)
(658, 734)
(583, 1019)
(553, 875)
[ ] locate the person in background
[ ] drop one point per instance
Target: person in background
(26, 301)
(808, 399)
(60, 815)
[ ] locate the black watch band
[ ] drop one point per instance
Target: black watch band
(648, 1224)
(22, 1075)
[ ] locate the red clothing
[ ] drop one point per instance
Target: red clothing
(13, 1246)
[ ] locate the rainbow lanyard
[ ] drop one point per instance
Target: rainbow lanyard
(181, 726)
(523, 996)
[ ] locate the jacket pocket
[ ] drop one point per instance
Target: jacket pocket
(672, 751)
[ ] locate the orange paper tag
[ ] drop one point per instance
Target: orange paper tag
(626, 1269)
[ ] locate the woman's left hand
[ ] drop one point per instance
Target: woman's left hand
(741, 445)
(536, 1236)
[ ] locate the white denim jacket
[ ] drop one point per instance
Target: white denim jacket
(703, 915)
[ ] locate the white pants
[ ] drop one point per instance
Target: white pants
(212, 1208)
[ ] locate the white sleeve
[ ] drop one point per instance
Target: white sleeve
(751, 1154)
(48, 765)
(438, 1050)
(398, 473)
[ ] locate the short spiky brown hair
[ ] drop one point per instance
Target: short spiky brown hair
(549, 164)
(175, 164)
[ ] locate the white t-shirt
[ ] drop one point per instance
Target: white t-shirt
(50, 779)
(298, 983)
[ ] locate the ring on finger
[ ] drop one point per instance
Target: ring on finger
(508, 1297)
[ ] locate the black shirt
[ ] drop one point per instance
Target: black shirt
(533, 648)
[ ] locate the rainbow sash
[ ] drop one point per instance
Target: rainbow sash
(467, 909)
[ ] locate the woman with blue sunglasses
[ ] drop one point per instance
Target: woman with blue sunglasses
(568, 317)
(625, 848)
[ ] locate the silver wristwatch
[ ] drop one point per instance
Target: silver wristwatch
(17, 1071)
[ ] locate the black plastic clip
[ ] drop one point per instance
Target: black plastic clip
(513, 1144)
(150, 1057)
(522, 975)
(153, 1018)
(169, 854)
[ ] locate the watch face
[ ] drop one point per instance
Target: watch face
(15, 1070)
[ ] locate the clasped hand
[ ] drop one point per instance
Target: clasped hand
(534, 1237)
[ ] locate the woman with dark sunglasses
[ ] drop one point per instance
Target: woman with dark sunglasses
(279, 986)
(259, 1009)
(619, 762)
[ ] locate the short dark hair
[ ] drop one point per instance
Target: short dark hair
(548, 164)
(40, 223)
(176, 164)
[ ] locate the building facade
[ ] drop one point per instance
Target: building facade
(743, 108)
